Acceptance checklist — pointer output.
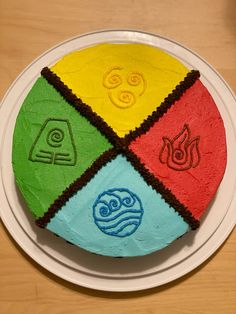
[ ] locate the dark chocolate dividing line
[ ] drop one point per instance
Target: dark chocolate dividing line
(120, 146)
(175, 95)
(77, 185)
(81, 107)
(158, 186)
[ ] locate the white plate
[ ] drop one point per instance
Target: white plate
(104, 273)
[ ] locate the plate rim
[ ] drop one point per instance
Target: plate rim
(117, 31)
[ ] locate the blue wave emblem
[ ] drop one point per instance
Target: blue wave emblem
(118, 212)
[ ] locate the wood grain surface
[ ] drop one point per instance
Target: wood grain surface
(28, 28)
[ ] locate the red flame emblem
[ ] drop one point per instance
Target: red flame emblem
(182, 152)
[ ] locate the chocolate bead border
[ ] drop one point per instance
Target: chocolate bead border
(120, 146)
(77, 185)
(175, 95)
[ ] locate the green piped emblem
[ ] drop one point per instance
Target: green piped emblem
(54, 144)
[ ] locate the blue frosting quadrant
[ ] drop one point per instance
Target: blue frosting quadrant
(149, 224)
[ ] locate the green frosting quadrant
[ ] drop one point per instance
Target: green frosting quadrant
(52, 146)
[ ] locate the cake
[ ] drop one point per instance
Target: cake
(119, 149)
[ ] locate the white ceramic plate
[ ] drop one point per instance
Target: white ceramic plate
(78, 266)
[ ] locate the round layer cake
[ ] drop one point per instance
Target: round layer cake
(119, 149)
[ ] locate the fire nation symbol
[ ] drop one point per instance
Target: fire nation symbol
(182, 152)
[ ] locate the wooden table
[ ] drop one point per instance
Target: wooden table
(28, 28)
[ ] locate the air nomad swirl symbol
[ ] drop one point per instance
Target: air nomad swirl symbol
(118, 212)
(123, 89)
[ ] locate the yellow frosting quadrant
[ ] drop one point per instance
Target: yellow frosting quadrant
(122, 83)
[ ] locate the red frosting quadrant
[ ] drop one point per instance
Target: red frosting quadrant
(186, 149)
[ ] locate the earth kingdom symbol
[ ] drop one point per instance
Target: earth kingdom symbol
(54, 144)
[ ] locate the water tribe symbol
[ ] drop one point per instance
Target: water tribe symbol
(54, 144)
(116, 80)
(118, 212)
(182, 152)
